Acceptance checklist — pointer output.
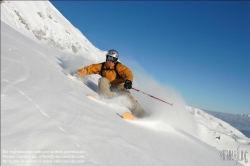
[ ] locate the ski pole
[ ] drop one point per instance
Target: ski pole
(152, 96)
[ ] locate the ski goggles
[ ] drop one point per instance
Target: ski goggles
(110, 58)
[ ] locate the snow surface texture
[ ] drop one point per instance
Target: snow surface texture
(46, 111)
(42, 21)
(239, 121)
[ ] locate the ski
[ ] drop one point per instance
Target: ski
(125, 115)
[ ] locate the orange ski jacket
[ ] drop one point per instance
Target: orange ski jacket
(124, 73)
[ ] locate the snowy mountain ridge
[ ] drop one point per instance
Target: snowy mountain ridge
(248, 115)
(63, 118)
(239, 121)
(43, 22)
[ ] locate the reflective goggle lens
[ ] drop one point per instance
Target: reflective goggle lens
(110, 58)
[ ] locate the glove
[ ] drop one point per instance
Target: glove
(128, 84)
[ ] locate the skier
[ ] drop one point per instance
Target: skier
(116, 80)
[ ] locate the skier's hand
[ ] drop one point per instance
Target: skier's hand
(75, 74)
(128, 84)
(82, 72)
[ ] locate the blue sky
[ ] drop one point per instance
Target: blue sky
(201, 49)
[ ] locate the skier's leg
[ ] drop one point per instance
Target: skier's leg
(138, 111)
(104, 86)
(135, 107)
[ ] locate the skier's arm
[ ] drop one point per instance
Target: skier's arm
(125, 72)
(92, 69)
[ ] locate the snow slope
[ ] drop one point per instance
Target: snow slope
(42, 109)
(47, 112)
(42, 21)
(239, 121)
